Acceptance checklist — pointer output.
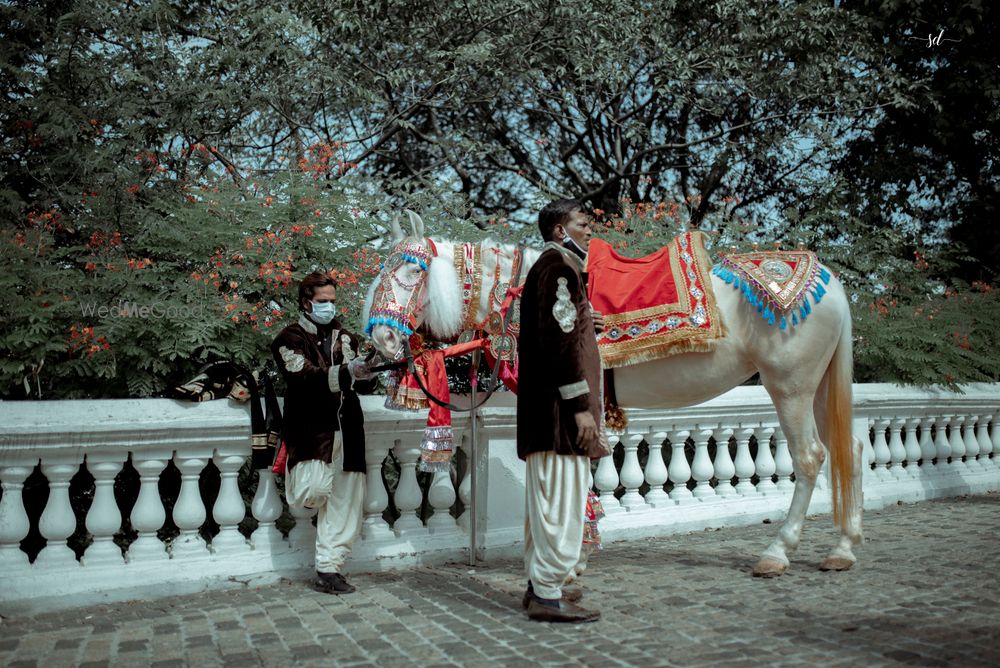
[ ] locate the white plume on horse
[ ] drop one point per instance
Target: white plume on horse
(807, 370)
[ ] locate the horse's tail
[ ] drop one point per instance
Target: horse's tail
(839, 437)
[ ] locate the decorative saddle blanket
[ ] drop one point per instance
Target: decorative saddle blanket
(777, 282)
(654, 306)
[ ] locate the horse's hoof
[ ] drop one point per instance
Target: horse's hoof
(835, 564)
(769, 568)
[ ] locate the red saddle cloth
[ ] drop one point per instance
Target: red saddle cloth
(653, 306)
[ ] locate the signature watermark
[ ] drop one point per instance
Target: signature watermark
(933, 40)
(153, 311)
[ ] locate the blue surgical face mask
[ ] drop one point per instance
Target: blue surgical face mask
(323, 312)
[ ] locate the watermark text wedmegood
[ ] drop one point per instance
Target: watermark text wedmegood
(153, 311)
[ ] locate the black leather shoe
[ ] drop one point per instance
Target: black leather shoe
(551, 610)
(571, 595)
(332, 583)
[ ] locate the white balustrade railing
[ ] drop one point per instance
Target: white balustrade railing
(724, 462)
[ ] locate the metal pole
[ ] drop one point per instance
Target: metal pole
(473, 460)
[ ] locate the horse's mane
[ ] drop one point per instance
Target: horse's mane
(444, 300)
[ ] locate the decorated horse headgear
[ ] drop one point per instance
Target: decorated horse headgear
(385, 309)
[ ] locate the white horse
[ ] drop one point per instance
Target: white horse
(807, 370)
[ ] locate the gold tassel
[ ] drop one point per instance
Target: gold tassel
(615, 418)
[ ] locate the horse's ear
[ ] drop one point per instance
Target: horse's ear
(416, 224)
(395, 230)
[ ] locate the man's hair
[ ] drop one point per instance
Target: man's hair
(310, 284)
(556, 213)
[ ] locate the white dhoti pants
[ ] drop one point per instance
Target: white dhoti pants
(555, 501)
(340, 497)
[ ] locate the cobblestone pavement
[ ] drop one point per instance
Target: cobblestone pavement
(925, 593)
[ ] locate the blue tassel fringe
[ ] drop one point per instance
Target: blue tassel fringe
(763, 307)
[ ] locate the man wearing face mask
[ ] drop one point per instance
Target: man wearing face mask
(558, 410)
(324, 426)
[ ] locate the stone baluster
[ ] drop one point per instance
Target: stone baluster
(911, 447)
(148, 513)
(376, 495)
(701, 468)
(985, 444)
(465, 487)
(942, 445)
(189, 511)
(104, 519)
(783, 466)
(764, 464)
(57, 522)
(995, 435)
(927, 450)
(868, 450)
(408, 493)
(882, 453)
(957, 444)
(606, 479)
(14, 524)
(744, 463)
(266, 508)
(229, 509)
(303, 534)
(972, 443)
(897, 451)
(631, 476)
(441, 497)
(725, 469)
(656, 471)
(679, 471)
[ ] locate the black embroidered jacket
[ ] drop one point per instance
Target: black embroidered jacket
(321, 397)
(559, 366)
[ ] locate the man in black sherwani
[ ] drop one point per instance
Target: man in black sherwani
(323, 425)
(558, 409)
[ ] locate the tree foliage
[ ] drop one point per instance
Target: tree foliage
(932, 168)
(198, 158)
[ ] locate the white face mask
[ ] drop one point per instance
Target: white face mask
(323, 312)
(570, 243)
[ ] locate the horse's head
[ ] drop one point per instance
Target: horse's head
(400, 299)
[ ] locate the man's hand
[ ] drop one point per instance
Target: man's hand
(586, 429)
(359, 369)
(598, 320)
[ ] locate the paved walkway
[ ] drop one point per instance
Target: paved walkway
(926, 592)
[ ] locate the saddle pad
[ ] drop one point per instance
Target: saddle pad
(776, 282)
(654, 306)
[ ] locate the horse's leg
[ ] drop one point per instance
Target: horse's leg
(842, 556)
(833, 410)
(795, 414)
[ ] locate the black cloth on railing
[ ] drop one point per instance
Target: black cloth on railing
(226, 378)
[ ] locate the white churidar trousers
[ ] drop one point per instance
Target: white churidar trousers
(555, 501)
(340, 497)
